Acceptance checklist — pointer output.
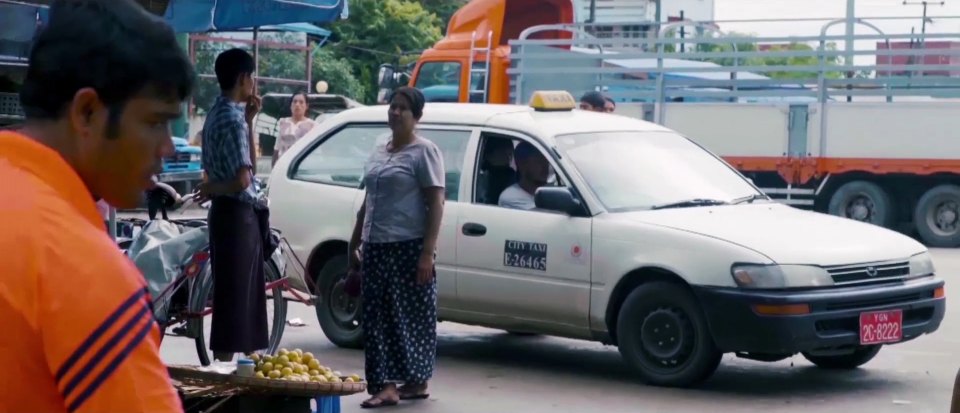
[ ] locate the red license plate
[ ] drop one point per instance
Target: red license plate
(881, 327)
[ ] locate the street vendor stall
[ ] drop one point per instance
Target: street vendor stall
(290, 381)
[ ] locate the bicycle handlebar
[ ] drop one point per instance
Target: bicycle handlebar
(187, 200)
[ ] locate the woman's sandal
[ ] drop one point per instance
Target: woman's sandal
(375, 402)
(418, 396)
(408, 395)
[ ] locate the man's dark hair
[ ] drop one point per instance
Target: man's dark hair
(594, 98)
(230, 65)
(525, 150)
(495, 144)
(113, 46)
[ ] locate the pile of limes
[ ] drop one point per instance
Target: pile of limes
(297, 365)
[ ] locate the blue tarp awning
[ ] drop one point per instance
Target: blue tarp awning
(196, 16)
(307, 28)
(19, 21)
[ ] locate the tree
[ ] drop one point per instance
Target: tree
(380, 31)
(207, 88)
(377, 31)
(338, 73)
(272, 62)
(806, 60)
(444, 9)
(758, 59)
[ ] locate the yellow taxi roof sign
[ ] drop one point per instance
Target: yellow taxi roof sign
(552, 100)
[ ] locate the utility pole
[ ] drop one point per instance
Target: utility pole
(851, 19)
(922, 43)
(658, 11)
(683, 33)
(848, 44)
(923, 25)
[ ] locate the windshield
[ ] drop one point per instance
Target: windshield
(641, 170)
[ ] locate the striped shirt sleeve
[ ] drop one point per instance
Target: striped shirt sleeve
(101, 340)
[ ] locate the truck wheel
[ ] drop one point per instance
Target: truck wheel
(337, 312)
(662, 333)
(859, 357)
(937, 217)
(863, 201)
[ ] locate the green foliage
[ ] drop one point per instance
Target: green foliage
(741, 46)
(272, 62)
(282, 63)
(338, 73)
(444, 9)
(376, 32)
(207, 88)
(379, 31)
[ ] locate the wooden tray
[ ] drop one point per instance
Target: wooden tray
(222, 383)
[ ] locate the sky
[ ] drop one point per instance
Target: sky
(832, 9)
(771, 9)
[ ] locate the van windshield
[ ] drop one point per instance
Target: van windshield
(635, 170)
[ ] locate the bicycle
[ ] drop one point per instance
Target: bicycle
(184, 302)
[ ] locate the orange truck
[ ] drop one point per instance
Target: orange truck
(879, 147)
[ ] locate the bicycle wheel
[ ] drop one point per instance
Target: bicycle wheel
(276, 312)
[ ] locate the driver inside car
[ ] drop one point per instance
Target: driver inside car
(534, 171)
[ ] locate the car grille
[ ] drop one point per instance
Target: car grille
(874, 273)
(180, 157)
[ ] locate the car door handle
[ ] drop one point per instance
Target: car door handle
(474, 230)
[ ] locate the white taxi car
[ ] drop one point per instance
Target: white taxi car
(643, 240)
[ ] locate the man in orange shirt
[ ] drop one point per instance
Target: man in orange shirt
(104, 81)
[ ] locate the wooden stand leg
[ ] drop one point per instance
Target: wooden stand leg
(250, 404)
(257, 403)
(955, 405)
(277, 404)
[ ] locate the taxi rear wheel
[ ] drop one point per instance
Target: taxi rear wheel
(663, 334)
(337, 312)
(859, 357)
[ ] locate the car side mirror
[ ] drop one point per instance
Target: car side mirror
(385, 76)
(558, 199)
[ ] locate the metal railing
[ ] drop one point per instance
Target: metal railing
(716, 67)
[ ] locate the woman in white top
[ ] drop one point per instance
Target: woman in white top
(294, 127)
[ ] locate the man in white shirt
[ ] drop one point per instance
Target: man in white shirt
(534, 172)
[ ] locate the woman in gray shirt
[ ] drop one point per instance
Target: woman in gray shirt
(398, 226)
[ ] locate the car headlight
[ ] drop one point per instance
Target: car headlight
(780, 276)
(921, 265)
(195, 157)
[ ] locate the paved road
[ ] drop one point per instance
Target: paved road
(481, 370)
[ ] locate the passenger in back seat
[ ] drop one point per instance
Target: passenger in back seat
(496, 172)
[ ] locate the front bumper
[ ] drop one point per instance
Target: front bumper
(833, 321)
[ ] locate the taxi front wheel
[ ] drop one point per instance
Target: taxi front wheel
(337, 312)
(663, 334)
